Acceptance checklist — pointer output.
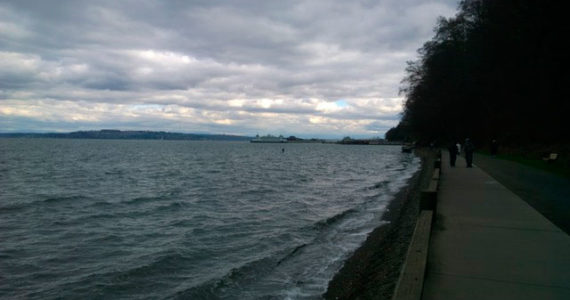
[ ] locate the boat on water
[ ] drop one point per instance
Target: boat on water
(268, 139)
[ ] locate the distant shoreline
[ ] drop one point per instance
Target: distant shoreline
(108, 134)
(113, 134)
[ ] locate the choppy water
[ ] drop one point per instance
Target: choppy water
(188, 220)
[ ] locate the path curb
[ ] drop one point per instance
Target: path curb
(411, 280)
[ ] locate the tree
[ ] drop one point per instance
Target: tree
(495, 70)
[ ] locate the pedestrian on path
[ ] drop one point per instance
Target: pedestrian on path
(468, 149)
(452, 148)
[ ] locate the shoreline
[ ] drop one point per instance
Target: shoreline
(372, 271)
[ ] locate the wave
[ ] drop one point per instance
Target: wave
(118, 172)
(101, 204)
(379, 185)
(236, 278)
(11, 208)
(137, 282)
(63, 199)
(106, 211)
(292, 253)
(106, 239)
(163, 264)
(173, 206)
(45, 201)
(231, 282)
(142, 200)
(331, 220)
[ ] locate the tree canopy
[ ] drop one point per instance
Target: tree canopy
(496, 70)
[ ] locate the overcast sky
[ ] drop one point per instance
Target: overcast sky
(311, 68)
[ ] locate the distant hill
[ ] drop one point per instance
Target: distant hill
(129, 135)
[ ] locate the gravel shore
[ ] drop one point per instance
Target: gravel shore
(373, 270)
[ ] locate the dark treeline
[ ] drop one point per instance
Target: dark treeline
(497, 70)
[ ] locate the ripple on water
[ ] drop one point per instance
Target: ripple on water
(155, 219)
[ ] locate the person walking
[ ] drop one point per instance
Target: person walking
(468, 150)
(452, 148)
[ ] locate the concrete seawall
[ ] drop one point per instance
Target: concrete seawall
(411, 279)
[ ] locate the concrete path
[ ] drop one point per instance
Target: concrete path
(487, 243)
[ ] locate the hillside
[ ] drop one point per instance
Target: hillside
(129, 135)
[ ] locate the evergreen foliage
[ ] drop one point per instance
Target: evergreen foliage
(497, 70)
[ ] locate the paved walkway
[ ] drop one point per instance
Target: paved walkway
(487, 243)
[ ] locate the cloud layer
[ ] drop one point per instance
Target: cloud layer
(306, 68)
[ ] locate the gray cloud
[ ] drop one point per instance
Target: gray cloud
(316, 67)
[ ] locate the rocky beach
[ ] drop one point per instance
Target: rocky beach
(373, 270)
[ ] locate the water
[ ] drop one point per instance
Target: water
(186, 220)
